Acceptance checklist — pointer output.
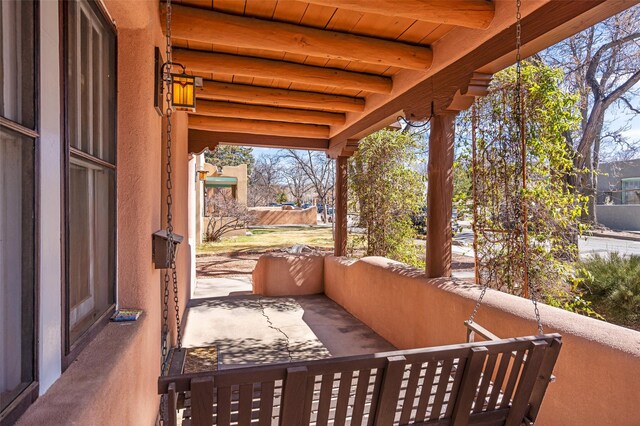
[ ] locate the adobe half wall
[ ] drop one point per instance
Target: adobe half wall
(599, 364)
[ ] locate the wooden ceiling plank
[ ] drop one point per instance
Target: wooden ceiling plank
(279, 97)
(417, 32)
(387, 27)
(260, 8)
(259, 112)
(242, 32)
(290, 11)
(317, 16)
(462, 13)
(274, 128)
(343, 20)
(220, 63)
(230, 6)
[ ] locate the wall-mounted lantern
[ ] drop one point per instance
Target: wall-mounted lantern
(183, 88)
(201, 175)
(184, 92)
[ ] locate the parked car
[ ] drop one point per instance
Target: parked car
(320, 208)
(419, 221)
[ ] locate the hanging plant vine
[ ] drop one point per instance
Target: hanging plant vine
(525, 233)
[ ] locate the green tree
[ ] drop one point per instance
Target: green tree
(387, 191)
(553, 207)
(281, 198)
(231, 155)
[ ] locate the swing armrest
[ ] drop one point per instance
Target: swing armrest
(475, 328)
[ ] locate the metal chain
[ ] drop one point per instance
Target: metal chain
(521, 127)
(171, 248)
(520, 123)
(474, 120)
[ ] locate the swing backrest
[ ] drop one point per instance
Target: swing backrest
(496, 382)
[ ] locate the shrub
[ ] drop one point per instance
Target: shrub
(387, 191)
(612, 284)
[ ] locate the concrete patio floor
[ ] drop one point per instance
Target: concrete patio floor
(249, 329)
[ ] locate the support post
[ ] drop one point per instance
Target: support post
(340, 209)
(440, 195)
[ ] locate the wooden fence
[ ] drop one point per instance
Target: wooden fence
(499, 382)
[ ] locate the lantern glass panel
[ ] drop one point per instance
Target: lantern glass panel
(183, 92)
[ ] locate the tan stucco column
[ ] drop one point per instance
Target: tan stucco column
(439, 195)
(340, 209)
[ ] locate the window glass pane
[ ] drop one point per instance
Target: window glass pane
(631, 191)
(16, 264)
(91, 82)
(91, 244)
(17, 98)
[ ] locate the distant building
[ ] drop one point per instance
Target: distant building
(618, 195)
(230, 179)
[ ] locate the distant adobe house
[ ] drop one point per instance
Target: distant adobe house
(226, 181)
(618, 199)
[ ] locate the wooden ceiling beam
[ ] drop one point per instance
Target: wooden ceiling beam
(258, 112)
(222, 63)
(199, 140)
(260, 127)
(279, 97)
(461, 13)
(243, 32)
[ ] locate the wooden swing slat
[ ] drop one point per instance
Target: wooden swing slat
(471, 376)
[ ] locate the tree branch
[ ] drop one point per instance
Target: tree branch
(622, 89)
(595, 61)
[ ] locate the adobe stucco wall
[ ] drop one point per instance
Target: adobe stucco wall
(599, 364)
(113, 381)
(278, 274)
(619, 217)
(278, 216)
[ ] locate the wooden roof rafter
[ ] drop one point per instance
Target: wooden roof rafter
(243, 32)
(461, 13)
(272, 96)
(284, 76)
(247, 66)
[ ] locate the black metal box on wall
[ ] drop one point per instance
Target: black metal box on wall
(160, 258)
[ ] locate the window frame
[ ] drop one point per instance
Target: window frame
(27, 396)
(70, 351)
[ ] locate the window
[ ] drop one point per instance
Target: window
(631, 191)
(90, 101)
(18, 145)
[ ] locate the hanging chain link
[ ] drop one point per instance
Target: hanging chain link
(171, 247)
(521, 127)
(474, 119)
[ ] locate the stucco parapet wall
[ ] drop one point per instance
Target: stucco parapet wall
(599, 364)
(111, 382)
(280, 216)
(282, 274)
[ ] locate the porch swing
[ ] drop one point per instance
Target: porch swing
(492, 382)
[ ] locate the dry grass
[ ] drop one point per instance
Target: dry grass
(268, 239)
